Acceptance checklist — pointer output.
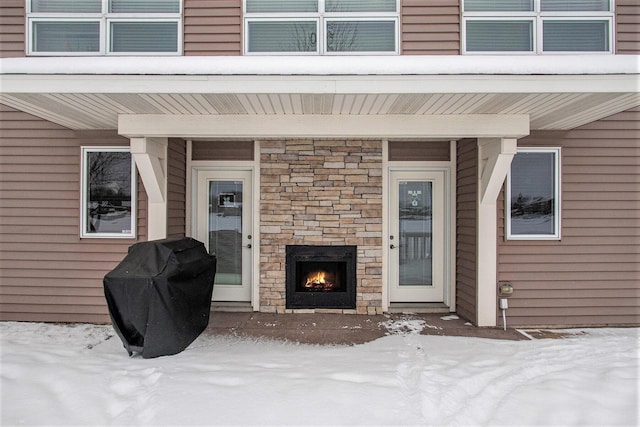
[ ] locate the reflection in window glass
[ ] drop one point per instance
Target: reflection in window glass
(360, 5)
(574, 5)
(144, 37)
(416, 231)
(500, 36)
(108, 203)
(66, 36)
(277, 6)
(361, 36)
(66, 6)
(533, 194)
(576, 36)
(283, 36)
(498, 5)
(144, 6)
(225, 230)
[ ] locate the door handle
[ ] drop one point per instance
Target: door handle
(249, 246)
(392, 246)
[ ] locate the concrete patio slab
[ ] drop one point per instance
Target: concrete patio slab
(340, 329)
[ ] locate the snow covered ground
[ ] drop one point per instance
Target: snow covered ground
(81, 375)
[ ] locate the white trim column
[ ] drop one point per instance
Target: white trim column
(150, 155)
(494, 160)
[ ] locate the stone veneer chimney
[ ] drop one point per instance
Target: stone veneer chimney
(321, 192)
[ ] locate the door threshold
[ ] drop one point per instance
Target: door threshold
(420, 307)
(229, 306)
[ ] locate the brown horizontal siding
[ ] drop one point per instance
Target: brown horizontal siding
(591, 276)
(430, 27)
(176, 188)
(47, 273)
(627, 27)
(212, 27)
(466, 228)
(222, 150)
(436, 151)
(12, 28)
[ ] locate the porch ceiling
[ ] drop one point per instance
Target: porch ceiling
(79, 98)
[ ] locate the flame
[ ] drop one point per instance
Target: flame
(318, 278)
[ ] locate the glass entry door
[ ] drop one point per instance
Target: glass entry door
(416, 236)
(224, 212)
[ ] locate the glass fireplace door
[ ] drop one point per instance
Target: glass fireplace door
(416, 236)
(224, 225)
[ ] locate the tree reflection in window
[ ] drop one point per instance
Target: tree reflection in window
(109, 191)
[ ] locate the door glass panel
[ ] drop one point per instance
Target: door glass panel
(225, 230)
(415, 233)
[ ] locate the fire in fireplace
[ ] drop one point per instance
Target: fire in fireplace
(321, 276)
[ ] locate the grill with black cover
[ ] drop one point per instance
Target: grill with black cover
(159, 296)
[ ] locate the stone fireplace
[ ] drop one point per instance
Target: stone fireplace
(321, 193)
(321, 277)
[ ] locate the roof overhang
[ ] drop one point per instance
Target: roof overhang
(550, 92)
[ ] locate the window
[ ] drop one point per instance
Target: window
(104, 27)
(108, 192)
(318, 27)
(533, 194)
(538, 26)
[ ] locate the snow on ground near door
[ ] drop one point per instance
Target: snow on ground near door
(81, 375)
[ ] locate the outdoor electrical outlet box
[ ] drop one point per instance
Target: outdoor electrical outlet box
(506, 289)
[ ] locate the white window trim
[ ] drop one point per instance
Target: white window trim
(105, 18)
(557, 225)
(321, 17)
(538, 18)
(83, 195)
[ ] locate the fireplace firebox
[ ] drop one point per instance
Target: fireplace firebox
(321, 277)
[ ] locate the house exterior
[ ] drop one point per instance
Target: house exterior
(468, 151)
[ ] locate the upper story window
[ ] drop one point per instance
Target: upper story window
(104, 27)
(538, 26)
(321, 27)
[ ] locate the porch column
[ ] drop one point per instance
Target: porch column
(494, 160)
(150, 155)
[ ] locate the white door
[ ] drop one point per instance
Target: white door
(223, 224)
(416, 236)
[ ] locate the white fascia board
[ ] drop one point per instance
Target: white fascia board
(139, 84)
(328, 65)
(324, 126)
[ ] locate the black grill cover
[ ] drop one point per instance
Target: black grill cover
(159, 296)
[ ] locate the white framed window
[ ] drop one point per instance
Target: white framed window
(321, 27)
(537, 26)
(108, 199)
(533, 195)
(104, 27)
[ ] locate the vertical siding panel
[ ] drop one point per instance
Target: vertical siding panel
(212, 27)
(627, 26)
(591, 276)
(176, 188)
(12, 28)
(466, 220)
(47, 273)
(430, 27)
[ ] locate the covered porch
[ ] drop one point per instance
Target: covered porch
(269, 102)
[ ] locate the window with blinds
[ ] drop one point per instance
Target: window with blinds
(538, 26)
(318, 27)
(104, 27)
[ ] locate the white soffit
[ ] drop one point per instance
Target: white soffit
(556, 92)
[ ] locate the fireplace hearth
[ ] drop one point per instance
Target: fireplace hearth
(320, 277)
